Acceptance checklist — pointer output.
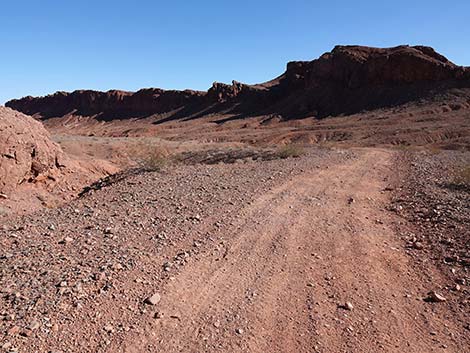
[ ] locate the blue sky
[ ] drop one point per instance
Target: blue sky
(50, 45)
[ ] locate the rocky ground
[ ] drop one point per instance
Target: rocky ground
(435, 201)
(296, 254)
(58, 264)
(34, 170)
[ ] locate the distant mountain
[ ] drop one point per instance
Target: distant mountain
(347, 80)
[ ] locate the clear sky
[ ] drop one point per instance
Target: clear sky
(50, 45)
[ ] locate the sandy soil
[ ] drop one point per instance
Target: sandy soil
(295, 255)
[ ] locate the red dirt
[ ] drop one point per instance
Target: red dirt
(258, 256)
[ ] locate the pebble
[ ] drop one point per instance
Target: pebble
(435, 297)
(34, 325)
(346, 306)
(153, 300)
(6, 345)
(158, 315)
(109, 328)
(13, 331)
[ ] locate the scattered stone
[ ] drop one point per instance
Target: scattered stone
(158, 315)
(6, 345)
(153, 300)
(109, 328)
(3, 196)
(34, 325)
(239, 331)
(434, 297)
(167, 266)
(418, 245)
(13, 331)
(108, 230)
(117, 267)
(346, 306)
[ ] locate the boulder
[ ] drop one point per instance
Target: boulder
(27, 153)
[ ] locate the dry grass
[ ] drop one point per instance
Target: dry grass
(150, 157)
(434, 150)
(287, 151)
(462, 175)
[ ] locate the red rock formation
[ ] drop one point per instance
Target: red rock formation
(346, 80)
(355, 66)
(26, 151)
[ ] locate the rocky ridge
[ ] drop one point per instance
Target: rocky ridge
(346, 80)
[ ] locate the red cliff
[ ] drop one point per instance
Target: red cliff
(346, 80)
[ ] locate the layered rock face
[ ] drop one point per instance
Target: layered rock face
(355, 66)
(88, 102)
(344, 81)
(26, 151)
(350, 79)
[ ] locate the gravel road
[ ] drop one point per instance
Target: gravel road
(294, 255)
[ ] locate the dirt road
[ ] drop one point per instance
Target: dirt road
(293, 260)
(296, 255)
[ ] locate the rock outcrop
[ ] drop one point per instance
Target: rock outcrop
(88, 102)
(346, 80)
(26, 151)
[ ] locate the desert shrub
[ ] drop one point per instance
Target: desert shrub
(434, 150)
(150, 157)
(156, 159)
(290, 151)
(462, 175)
